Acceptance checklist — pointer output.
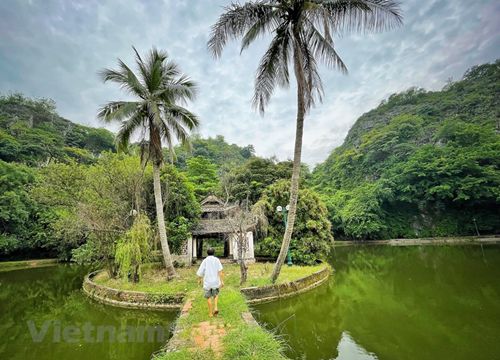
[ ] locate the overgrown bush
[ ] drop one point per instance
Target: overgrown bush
(312, 236)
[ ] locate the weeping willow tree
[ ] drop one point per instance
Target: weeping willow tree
(134, 248)
(302, 33)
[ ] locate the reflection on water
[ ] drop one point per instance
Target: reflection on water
(397, 303)
(349, 350)
(45, 315)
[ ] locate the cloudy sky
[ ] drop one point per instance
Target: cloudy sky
(54, 48)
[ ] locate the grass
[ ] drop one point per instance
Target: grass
(153, 278)
(255, 342)
(241, 340)
(12, 265)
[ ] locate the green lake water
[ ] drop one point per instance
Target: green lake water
(382, 303)
(396, 303)
(45, 315)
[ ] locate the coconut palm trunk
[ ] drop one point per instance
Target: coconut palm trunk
(302, 30)
(160, 219)
(297, 154)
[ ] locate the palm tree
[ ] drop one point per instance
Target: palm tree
(302, 32)
(159, 87)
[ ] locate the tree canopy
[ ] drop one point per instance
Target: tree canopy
(312, 236)
(215, 149)
(420, 164)
(33, 133)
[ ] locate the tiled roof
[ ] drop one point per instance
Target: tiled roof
(222, 226)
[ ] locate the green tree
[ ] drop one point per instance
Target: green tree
(312, 237)
(181, 206)
(358, 213)
(114, 188)
(247, 182)
(203, 175)
(89, 207)
(58, 190)
(302, 32)
(216, 149)
(9, 147)
(159, 88)
(16, 207)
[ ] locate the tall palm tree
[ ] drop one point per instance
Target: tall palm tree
(159, 87)
(302, 32)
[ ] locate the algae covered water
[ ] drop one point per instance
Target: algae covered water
(387, 303)
(394, 303)
(45, 315)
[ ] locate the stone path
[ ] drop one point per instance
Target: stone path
(225, 335)
(208, 335)
(205, 335)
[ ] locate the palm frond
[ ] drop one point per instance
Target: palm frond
(361, 15)
(117, 110)
(175, 126)
(314, 85)
(125, 78)
(323, 49)
(155, 141)
(235, 21)
(273, 68)
(155, 66)
(183, 116)
(269, 22)
(154, 113)
(143, 69)
(181, 89)
(171, 69)
(144, 152)
(166, 134)
(127, 129)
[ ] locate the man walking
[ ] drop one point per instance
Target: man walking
(213, 279)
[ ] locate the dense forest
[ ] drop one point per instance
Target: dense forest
(66, 192)
(31, 132)
(423, 163)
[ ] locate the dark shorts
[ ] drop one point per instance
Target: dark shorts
(210, 293)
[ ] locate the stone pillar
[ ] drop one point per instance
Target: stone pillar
(230, 240)
(249, 252)
(189, 250)
(250, 249)
(194, 248)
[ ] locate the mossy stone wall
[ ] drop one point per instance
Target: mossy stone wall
(261, 294)
(130, 299)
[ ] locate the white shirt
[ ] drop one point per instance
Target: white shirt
(209, 269)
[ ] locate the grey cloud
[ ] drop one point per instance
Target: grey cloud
(54, 48)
